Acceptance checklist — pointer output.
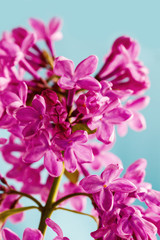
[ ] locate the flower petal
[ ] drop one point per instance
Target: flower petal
(111, 172)
(138, 103)
(105, 132)
(55, 227)
(83, 153)
(106, 199)
(39, 27)
(118, 115)
(70, 159)
(122, 185)
(92, 184)
(51, 163)
(54, 25)
(86, 67)
(89, 83)
(66, 83)
(9, 235)
(39, 104)
(32, 234)
(28, 42)
(138, 122)
(26, 114)
(64, 67)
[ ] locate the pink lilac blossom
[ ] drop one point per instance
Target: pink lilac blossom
(54, 123)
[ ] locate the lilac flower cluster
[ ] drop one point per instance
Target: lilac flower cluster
(64, 118)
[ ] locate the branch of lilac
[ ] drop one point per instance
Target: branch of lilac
(66, 121)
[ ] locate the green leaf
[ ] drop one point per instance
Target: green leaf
(82, 126)
(73, 177)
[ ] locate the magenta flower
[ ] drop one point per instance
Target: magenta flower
(122, 67)
(137, 122)
(32, 118)
(105, 120)
(75, 151)
(29, 234)
(39, 146)
(48, 33)
(106, 184)
(80, 77)
(132, 223)
(56, 228)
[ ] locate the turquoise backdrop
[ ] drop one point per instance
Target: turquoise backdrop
(90, 27)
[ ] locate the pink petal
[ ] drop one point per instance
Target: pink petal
(122, 185)
(39, 104)
(83, 153)
(66, 83)
(31, 129)
(64, 67)
(124, 227)
(138, 228)
(89, 83)
(79, 136)
(54, 25)
(138, 122)
(28, 42)
(3, 83)
(111, 172)
(118, 115)
(51, 163)
(36, 149)
(26, 114)
(23, 90)
(106, 199)
(39, 28)
(122, 129)
(92, 184)
(138, 103)
(86, 67)
(32, 234)
(55, 227)
(9, 235)
(105, 133)
(70, 159)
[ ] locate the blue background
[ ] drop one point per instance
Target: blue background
(90, 27)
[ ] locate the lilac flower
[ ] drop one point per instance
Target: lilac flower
(48, 33)
(80, 77)
(102, 157)
(106, 184)
(137, 122)
(105, 120)
(29, 234)
(75, 151)
(122, 67)
(132, 223)
(32, 118)
(56, 228)
(39, 146)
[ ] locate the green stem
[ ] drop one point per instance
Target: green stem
(82, 213)
(12, 191)
(47, 209)
(70, 196)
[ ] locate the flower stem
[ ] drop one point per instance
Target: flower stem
(12, 191)
(47, 209)
(55, 204)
